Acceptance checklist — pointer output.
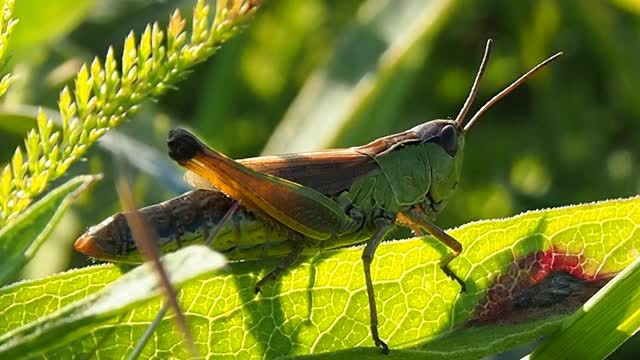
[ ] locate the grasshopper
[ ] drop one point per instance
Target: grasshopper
(283, 205)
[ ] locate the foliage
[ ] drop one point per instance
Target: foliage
(20, 240)
(321, 308)
(104, 95)
(7, 24)
(99, 308)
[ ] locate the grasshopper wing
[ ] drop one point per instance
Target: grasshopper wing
(298, 207)
(328, 172)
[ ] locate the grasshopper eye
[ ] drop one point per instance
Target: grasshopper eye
(449, 139)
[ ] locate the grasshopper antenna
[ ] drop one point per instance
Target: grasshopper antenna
(475, 86)
(506, 91)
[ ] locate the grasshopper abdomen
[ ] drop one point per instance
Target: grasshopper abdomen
(185, 220)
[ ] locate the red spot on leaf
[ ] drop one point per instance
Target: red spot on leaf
(525, 273)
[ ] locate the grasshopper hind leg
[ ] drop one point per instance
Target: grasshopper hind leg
(282, 267)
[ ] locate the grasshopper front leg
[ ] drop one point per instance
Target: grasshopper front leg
(417, 222)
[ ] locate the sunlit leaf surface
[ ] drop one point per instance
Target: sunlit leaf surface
(321, 305)
(100, 309)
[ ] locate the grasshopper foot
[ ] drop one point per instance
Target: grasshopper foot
(383, 346)
(449, 273)
(270, 276)
(260, 284)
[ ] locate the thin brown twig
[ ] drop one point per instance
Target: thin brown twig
(145, 239)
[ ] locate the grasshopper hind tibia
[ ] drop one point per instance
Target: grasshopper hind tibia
(183, 145)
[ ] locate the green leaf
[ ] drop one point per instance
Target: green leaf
(383, 48)
(320, 306)
(115, 98)
(603, 324)
(20, 239)
(468, 343)
(105, 307)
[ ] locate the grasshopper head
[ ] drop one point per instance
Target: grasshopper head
(441, 132)
(449, 134)
(445, 159)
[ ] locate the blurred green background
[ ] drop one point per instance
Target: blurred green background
(565, 137)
